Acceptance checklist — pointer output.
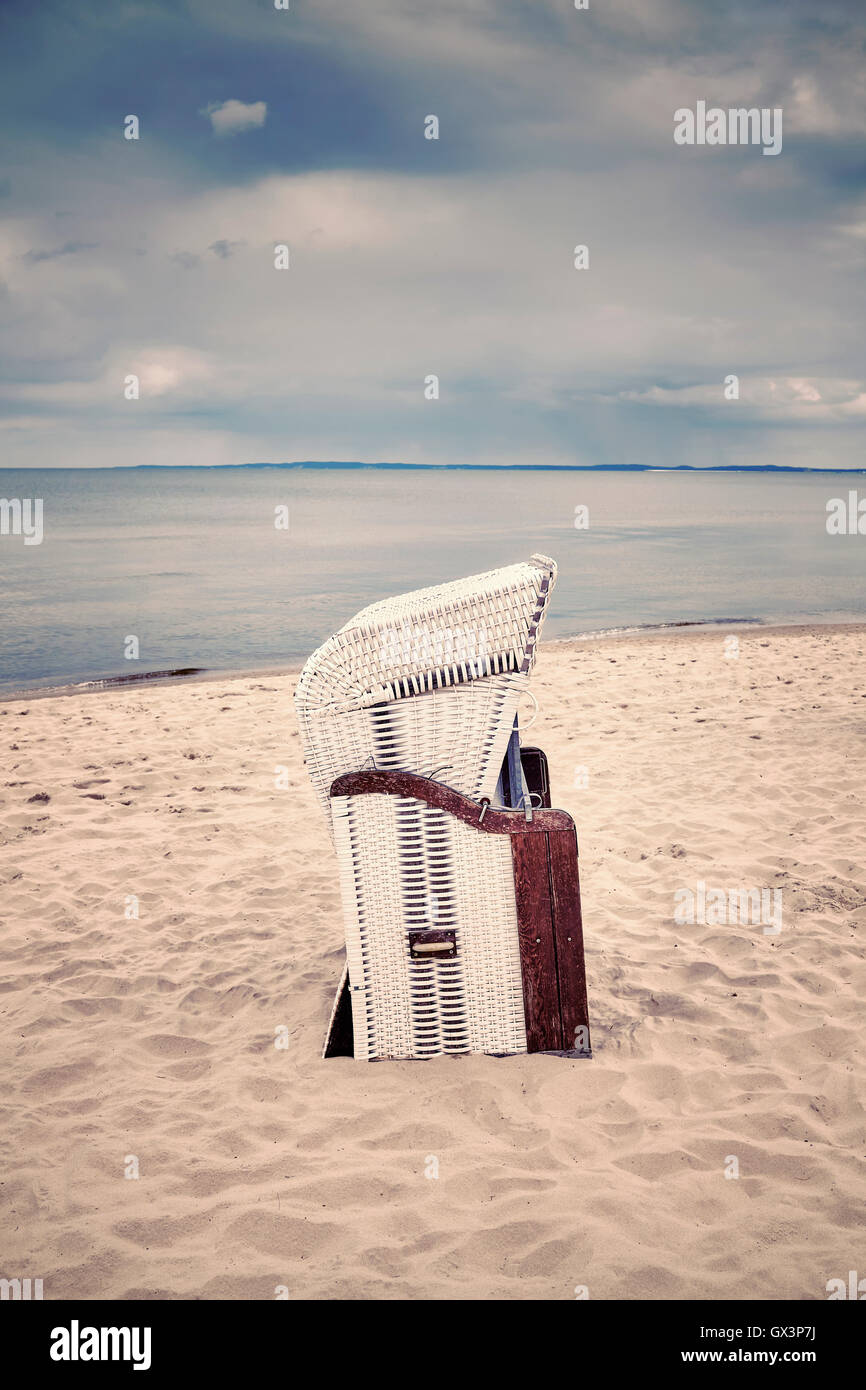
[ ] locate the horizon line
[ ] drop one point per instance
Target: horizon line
(446, 467)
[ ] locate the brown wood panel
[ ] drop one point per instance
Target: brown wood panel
(537, 950)
(568, 936)
(495, 822)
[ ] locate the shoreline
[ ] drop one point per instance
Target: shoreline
(648, 632)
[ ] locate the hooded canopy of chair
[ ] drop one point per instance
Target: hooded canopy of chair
(455, 658)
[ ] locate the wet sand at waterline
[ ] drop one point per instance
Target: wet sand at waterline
(721, 1044)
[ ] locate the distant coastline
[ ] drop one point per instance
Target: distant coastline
(501, 467)
(327, 465)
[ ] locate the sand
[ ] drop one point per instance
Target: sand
(148, 1043)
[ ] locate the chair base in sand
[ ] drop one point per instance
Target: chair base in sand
(547, 898)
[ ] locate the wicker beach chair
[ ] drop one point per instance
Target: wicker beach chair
(459, 884)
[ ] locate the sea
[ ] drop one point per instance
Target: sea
(251, 568)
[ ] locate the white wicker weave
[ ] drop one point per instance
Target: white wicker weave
(429, 683)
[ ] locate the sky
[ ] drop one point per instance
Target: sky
(411, 257)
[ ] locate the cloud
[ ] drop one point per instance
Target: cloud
(224, 248)
(70, 248)
(231, 117)
(395, 276)
(411, 257)
(162, 371)
(808, 401)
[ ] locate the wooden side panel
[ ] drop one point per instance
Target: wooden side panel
(537, 950)
(568, 936)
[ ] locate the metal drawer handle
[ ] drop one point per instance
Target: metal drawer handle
(428, 944)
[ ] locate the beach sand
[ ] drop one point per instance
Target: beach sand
(151, 1040)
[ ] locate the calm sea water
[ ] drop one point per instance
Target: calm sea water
(189, 560)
